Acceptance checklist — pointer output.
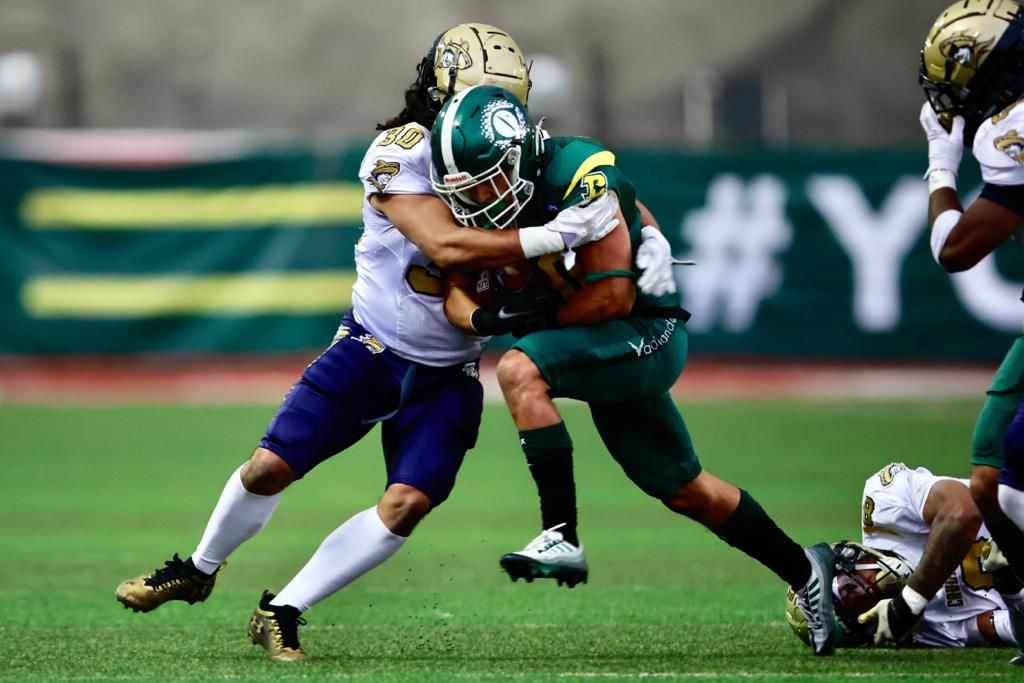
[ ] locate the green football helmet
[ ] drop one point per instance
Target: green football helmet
(486, 156)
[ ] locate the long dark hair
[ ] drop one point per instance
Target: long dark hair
(417, 109)
(419, 106)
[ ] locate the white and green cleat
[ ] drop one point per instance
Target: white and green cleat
(815, 600)
(549, 556)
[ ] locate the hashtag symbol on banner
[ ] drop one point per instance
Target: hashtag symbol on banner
(736, 239)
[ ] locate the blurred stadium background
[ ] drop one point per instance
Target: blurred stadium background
(178, 207)
(180, 177)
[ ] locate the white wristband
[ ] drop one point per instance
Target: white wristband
(915, 601)
(940, 178)
(943, 225)
(538, 240)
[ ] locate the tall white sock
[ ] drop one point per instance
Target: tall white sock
(1012, 502)
(354, 548)
(238, 516)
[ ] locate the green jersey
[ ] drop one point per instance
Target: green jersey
(575, 170)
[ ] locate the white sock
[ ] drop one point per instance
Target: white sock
(238, 516)
(1012, 502)
(354, 548)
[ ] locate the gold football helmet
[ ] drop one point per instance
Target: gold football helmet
(473, 54)
(972, 62)
(863, 576)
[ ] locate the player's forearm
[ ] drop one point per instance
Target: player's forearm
(475, 249)
(458, 308)
(599, 302)
(952, 255)
(646, 217)
(952, 534)
(941, 200)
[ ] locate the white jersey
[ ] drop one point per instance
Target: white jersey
(999, 147)
(398, 295)
(893, 519)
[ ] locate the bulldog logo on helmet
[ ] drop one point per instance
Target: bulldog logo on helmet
(455, 54)
(965, 50)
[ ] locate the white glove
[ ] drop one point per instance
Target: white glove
(992, 558)
(944, 149)
(586, 223)
(895, 622)
(572, 227)
(654, 257)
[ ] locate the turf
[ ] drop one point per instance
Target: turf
(94, 495)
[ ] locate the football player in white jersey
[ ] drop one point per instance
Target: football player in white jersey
(923, 545)
(395, 360)
(972, 71)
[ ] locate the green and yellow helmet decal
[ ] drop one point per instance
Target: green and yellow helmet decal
(484, 156)
(972, 59)
(477, 54)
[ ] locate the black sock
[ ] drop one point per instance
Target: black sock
(1010, 540)
(751, 530)
(549, 454)
(191, 567)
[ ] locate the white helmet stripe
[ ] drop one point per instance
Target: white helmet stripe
(446, 131)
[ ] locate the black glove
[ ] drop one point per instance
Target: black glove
(529, 309)
(895, 621)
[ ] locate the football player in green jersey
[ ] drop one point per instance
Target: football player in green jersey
(972, 71)
(615, 348)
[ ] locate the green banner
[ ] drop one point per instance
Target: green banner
(799, 253)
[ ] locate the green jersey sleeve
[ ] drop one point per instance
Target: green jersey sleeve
(581, 169)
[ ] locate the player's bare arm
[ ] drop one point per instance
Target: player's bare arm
(613, 295)
(646, 217)
(954, 520)
(982, 227)
(429, 224)
(459, 304)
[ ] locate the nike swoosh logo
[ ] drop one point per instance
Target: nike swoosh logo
(505, 315)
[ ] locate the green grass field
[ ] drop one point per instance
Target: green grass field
(93, 496)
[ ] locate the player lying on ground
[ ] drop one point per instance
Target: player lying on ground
(396, 360)
(608, 345)
(921, 574)
(972, 70)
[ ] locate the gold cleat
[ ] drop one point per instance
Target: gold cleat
(277, 630)
(177, 580)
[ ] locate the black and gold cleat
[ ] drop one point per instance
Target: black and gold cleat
(177, 580)
(276, 628)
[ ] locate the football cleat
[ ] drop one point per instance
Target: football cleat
(276, 628)
(177, 580)
(815, 600)
(549, 556)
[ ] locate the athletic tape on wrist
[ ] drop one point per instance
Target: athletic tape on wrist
(537, 241)
(943, 225)
(940, 178)
(915, 601)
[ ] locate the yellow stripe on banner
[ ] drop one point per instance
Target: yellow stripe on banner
(604, 158)
(155, 296)
(192, 209)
